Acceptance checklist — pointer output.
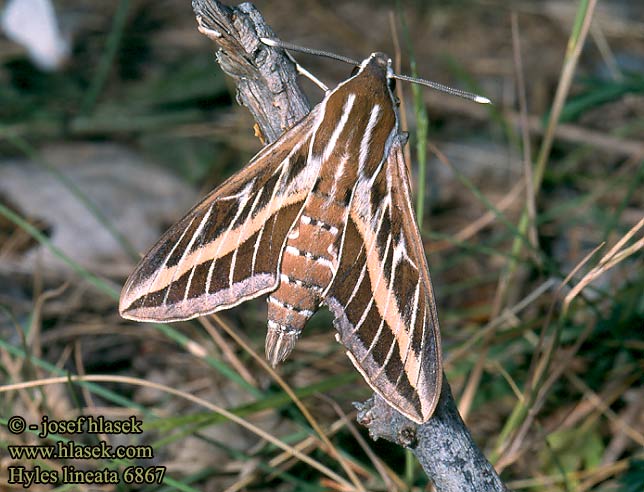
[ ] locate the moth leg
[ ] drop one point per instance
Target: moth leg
(300, 69)
(303, 71)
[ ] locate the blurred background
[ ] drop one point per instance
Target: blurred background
(115, 119)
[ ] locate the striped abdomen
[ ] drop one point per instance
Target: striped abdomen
(309, 263)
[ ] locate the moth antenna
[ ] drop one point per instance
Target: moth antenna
(443, 88)
(278, 43)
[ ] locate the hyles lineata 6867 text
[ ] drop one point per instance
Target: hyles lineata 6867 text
(322, 216)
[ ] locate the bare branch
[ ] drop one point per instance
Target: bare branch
(266, 79)
(443, 445)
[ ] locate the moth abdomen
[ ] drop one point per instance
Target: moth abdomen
(307, 268)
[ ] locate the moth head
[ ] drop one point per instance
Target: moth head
(379, 63)
(379, 60)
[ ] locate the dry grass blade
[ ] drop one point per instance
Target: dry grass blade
(531, 207)
(602, 473)
(505, 317)
(399, 92)
(575, 46)
(608, 261)
(479, 224)
(331, 449)
(194, 399)
(229, 355)
(536, 389)
(391, 480)
(87, 394)
(573, 52)
(284, 460)
(540, 365)
(519, 444)
(590, 478)
(598, 403)
(565, 132)
(33, 338)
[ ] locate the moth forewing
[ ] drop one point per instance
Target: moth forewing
(428, 354)
(227, 249)
(382, 296)
(321, 216)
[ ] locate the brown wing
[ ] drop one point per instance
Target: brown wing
(382, 295)
(227, 249)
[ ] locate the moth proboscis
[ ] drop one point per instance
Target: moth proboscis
(322, 216)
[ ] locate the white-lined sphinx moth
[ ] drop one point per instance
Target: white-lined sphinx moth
(322, 216)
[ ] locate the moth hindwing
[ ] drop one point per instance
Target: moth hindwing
(322, 216)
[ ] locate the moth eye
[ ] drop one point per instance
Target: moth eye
(355, 70)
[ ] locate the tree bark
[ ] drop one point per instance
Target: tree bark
(443, 445)
(267, 85)
(266, 78)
